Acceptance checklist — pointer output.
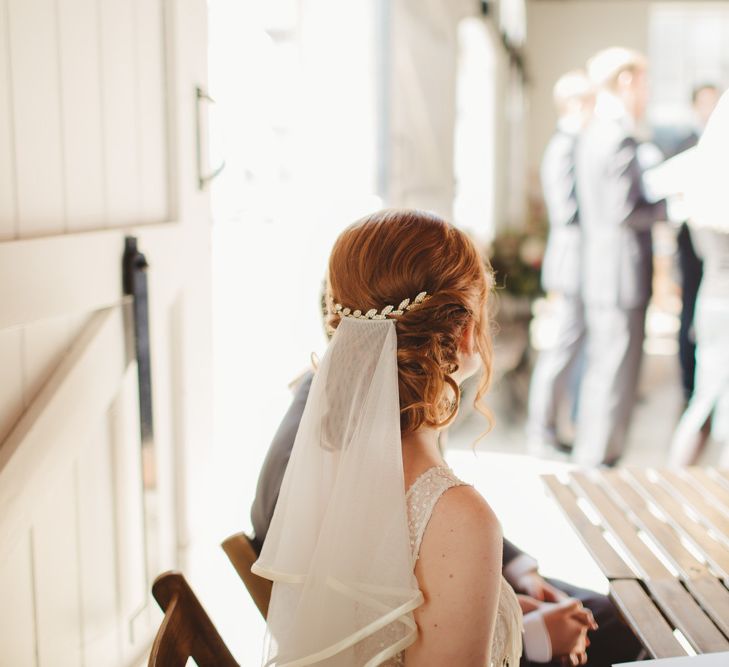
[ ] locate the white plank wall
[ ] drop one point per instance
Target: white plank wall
(72, 560)
(126, 462)
(78, 30)
(28, 356)
(44, 343)
(97, 552)
(83, 132)
(7, 151)
(67, 594)
(121, 148)
(11, 386)
(17, 615)
(36, 116)
(57, 577)
(151, 111)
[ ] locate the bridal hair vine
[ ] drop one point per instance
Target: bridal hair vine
(373, 314)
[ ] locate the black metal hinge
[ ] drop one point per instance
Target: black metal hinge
(135, 284)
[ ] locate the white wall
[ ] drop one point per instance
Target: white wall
(423, 87)
(424, 50)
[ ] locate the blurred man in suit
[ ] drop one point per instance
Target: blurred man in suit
(704, 99)
(554, 633)
(550, 385)
(616, 220)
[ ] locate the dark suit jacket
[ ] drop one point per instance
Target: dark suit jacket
(561, 268)
(689, 141)
(274, 466)
(615, 218)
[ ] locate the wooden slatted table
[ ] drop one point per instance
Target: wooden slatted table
(662, 540)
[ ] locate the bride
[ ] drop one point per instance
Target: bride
(378, 553)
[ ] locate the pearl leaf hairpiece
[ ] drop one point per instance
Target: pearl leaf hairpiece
(372, 314)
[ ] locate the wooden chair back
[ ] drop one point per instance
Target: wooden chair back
(242, 555)
(186, 630)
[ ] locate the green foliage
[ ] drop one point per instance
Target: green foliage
(516, 258)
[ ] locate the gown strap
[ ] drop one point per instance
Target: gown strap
(421, 499)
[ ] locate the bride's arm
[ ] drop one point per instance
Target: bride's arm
(459, 572)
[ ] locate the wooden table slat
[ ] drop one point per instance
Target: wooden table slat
(614, 518)
(713, 597)
(684, 612)
(611, 564)
(709, 513)
(714, 553)
(706, 484)
(722, 476)
(647, 622)
(662, 533)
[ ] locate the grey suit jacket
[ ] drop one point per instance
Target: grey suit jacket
(561, 267)
(615, 218)
(274, 467)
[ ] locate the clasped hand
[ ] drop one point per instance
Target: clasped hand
(566, 620)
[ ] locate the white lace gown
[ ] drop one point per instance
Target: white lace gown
(421, 499)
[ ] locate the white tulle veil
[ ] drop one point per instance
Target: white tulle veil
(338, 548)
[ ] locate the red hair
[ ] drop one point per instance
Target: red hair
(393, 255)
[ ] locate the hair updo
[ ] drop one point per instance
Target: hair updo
(393, 255)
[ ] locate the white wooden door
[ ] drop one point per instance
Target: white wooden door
(98, 141)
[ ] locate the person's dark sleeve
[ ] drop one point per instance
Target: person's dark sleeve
(274, 465)
(516, 563)
(511, 551)
(688, 142)
(638, 213)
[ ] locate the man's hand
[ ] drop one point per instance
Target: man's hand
(567, 623)
(533, 584)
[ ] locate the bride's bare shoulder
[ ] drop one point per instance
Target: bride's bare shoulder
(462, 512)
